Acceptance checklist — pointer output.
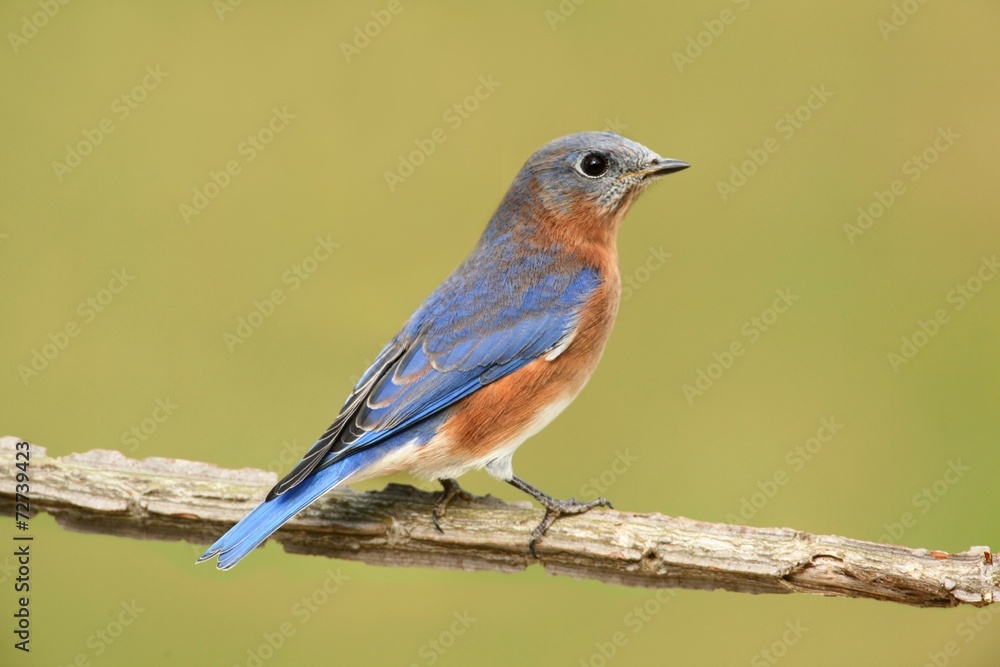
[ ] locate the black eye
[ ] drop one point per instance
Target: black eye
(594, 165)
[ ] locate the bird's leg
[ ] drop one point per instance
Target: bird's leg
(553, 508)
(451, 490)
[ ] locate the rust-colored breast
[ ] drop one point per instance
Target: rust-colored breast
(503, 410)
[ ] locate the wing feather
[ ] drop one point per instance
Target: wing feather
(462, 338)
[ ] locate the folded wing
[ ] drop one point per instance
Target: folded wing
(462, 338)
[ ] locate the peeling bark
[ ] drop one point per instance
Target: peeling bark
(103, 491)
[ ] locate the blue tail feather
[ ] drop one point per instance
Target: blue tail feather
(267, 517)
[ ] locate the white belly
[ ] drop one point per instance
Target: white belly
(435, 460)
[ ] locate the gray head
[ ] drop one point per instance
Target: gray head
(595, 173)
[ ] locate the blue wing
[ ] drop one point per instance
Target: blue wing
(477, 327)
(491, 317)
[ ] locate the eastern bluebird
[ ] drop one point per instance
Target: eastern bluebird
(499, 349)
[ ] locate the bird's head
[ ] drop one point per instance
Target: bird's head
(589, 178)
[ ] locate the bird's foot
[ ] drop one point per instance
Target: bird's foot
(553, 508)
(451, 491)
(557, 508)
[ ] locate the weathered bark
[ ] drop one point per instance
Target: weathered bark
(103, 491)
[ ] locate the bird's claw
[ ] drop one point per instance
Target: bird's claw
(557, 508)
(450, 492)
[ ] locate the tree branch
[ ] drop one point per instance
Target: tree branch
(103, 491)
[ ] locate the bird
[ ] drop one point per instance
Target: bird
(495, 353)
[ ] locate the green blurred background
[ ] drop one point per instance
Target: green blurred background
(892, 78)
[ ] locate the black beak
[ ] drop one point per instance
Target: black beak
(664, 165)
